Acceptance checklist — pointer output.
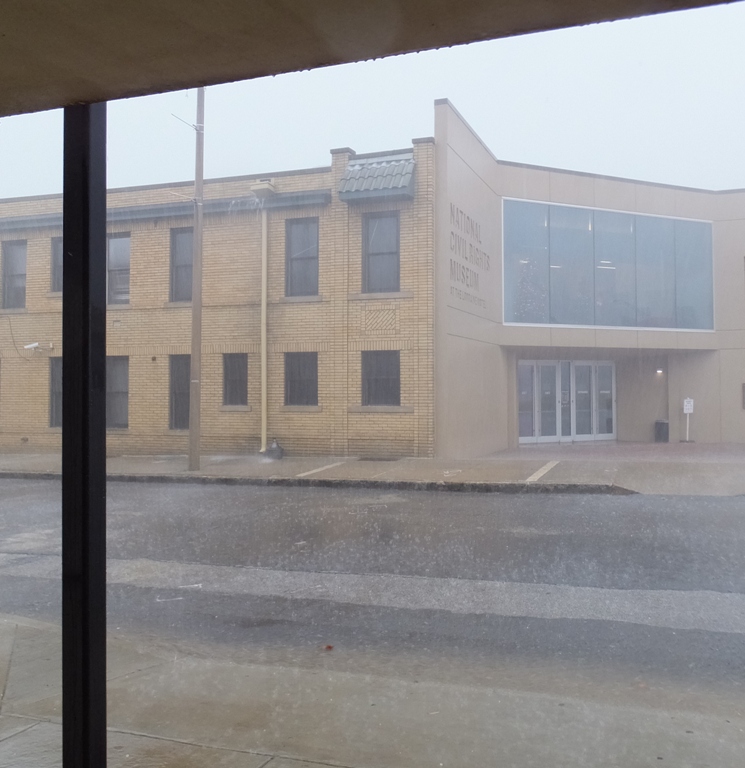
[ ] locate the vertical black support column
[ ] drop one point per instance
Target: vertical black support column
(84, 439)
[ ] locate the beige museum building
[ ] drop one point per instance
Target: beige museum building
(431, 300)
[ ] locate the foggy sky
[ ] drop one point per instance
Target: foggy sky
(660, 99)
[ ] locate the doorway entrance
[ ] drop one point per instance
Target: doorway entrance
(566, 400)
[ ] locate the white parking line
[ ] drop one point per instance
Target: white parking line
(320, 469)
(542, 471)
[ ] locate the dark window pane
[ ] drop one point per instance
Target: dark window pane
(301, 257)
(526, 265)
(381, 378)
(14, 274)
(117, 392)
(571, 279)
(301, 378)
(615, 269)
(55, 391)
(118, 268)
(179, 391)
(694, 289)
(182, 255)
(655, 272)
(235, 379)
(56, 283)
(381, 260)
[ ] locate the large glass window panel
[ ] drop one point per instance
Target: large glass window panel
(381, 258)
(180, 367)
(655, 272)
(526, 265)
(381, 377)
(694, 291)
(615, 269)
(117, 392)
(14, 274)
(571, 266)
(526, 402)
(566, 399)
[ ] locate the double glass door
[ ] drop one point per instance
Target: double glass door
(564, 400)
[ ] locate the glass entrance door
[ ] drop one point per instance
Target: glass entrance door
(566, 400)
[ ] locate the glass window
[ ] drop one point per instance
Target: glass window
(526, 265)
(655, 272)
(694, 285)
(615, 269)
(14, 274)
(301, 257)
(526, 402)
(118, 268)
(380, 258)
(179, 391)
(301, 378)
(235, 379)
(55, 391)
(117, 392)
(571, 280)
(182, 254)
(381, 378)
(56, 268)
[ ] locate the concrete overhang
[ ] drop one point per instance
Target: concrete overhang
(64, 52)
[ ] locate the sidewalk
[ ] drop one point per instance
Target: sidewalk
(169, 710)
(674, 469)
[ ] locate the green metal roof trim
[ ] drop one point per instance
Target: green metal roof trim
(226, 205)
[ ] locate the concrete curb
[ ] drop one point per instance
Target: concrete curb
(381, 485)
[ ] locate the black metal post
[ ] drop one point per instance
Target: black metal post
(84, 438)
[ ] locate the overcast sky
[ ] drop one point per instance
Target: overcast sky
(660, 99)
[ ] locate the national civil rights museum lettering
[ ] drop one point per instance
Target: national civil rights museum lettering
(567, 265)
(468, 259)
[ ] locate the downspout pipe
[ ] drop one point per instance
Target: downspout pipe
(264, 280)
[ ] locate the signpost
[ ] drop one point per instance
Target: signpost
(688, 410)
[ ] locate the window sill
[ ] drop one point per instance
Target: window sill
(54, 294)
(235, 408)
(301, 408)
(381, 296)
(380, 409)
(54, 430)
(117, 307)
(176, 304)
(300, 299)
(117, 430)
(13, 311)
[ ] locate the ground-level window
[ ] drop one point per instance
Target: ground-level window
(235, 379)
(301, 257)
(14, 274)
(180, 366)
(117, 261)
(301, 378)
(56, 267)
(182, 255)
(117, 392)
(380, 254)
(55, 391)
(381, 378)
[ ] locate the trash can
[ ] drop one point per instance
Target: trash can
(662, 431)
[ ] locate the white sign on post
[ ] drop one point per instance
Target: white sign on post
(688, 410)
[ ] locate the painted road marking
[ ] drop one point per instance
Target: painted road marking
(320, 469)
(542, 471)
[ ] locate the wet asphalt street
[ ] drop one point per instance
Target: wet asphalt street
(602, 591)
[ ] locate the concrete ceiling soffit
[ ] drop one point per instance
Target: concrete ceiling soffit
(70, 51)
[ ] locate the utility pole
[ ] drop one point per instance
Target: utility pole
(195, 377)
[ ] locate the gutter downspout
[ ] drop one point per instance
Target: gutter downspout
(264, 278)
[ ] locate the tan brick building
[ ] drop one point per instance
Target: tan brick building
(427, 301)
(350, 290)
